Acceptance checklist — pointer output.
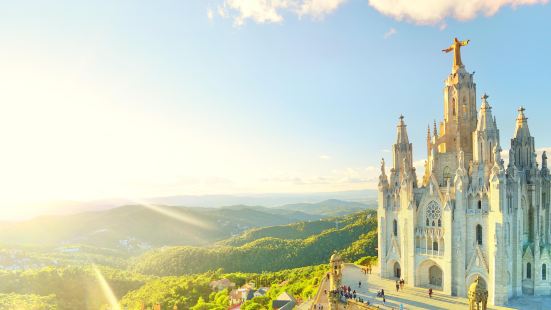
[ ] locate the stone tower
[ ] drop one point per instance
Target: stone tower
(472, 218)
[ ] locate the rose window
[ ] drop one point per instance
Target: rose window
(433, 211)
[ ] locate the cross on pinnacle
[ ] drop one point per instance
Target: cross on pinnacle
(484, 97)
(521, 109)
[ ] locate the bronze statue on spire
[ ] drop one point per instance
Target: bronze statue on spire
(456, 48)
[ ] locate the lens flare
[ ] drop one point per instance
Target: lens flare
(106, 289)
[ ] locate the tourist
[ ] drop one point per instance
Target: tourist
(383, 292)
(397, 286)
(401, 306)
(360, 284)
(430, 292)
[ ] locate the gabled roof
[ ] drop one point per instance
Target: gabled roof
(284, 301)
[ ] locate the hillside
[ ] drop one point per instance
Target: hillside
(300, 230)
(265, 254)
(138, 227)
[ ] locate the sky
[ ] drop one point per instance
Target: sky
(134, 99)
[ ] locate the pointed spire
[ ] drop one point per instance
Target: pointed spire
(486, 120)
(402, 135)
(435, 129)
(521, 130)
(428, 132)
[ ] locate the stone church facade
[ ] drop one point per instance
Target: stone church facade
(471, 215)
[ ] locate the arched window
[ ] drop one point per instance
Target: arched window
(447, 174)
(435, 246)
(395, 228)
(479, 234)
(433, 224)
(439, 223)
(544, 272)
(529, 271)
(479, 204)
(427, 223)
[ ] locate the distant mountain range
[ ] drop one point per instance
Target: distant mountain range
(330, 207)
(211, 201)
(138, 227)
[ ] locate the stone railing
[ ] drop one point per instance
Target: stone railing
(435, 232)
(422, 251)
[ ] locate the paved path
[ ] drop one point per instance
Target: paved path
(411, 298)
(322, 298)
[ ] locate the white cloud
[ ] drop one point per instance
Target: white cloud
(432, 12)
(319, 8)
(417, 11)
(390, 33)
(270, 11)
(325, 157)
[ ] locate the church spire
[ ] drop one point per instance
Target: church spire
(402, 134)
(486, 137)
(485, 121)
(521, 129)
(522, 145)
(402, 149)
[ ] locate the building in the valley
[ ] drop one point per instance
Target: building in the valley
(222, 284)
(472, 216)
(284, 301)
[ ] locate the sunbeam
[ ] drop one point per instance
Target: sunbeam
(106, 289)
(184, 218)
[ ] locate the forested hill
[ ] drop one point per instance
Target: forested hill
(138, 227)
(354, 240)
(142, 227)
(300, 230)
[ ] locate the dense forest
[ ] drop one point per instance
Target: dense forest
(355, 240)
(291, 257)
(194, 292)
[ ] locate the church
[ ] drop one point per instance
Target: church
(471, 215)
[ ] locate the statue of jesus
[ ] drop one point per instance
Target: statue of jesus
(456, 48)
